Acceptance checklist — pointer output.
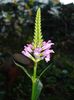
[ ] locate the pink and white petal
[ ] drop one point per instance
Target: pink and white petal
(47, 46)
(49, 41)
(47, 58)
(51, 51)
(30, 45)
(28, 49)
(36, 54)
(27, 54)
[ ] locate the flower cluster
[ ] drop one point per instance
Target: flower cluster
(38, 53)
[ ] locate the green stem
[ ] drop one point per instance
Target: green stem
(35, 69)
(34, 80)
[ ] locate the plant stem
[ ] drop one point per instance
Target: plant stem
(33, 81)
(35, 69)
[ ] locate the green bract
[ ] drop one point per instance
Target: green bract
(37, 33)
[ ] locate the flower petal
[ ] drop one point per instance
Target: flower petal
(28, 49)
(47, 46)
(47, 58)
(27, 54)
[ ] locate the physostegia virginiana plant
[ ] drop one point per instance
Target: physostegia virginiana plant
(38, 50)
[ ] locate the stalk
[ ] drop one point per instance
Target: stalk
(34, 81)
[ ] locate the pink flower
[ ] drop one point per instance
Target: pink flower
(47, 58)
(39, 53)
(47, 52)
(26, 53)
(28, 48)
(47, 45)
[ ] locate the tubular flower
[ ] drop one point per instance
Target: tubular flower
(39, 53)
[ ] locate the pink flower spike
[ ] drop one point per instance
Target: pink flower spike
(39, 53)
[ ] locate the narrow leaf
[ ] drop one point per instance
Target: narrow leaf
(24, 69)
(37, 87)
(45, 70)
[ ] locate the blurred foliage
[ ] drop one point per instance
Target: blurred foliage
(16, 29)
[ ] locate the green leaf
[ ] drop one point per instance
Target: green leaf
(36, 89)
(45, 70)
(37, 42)
(24, 69)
